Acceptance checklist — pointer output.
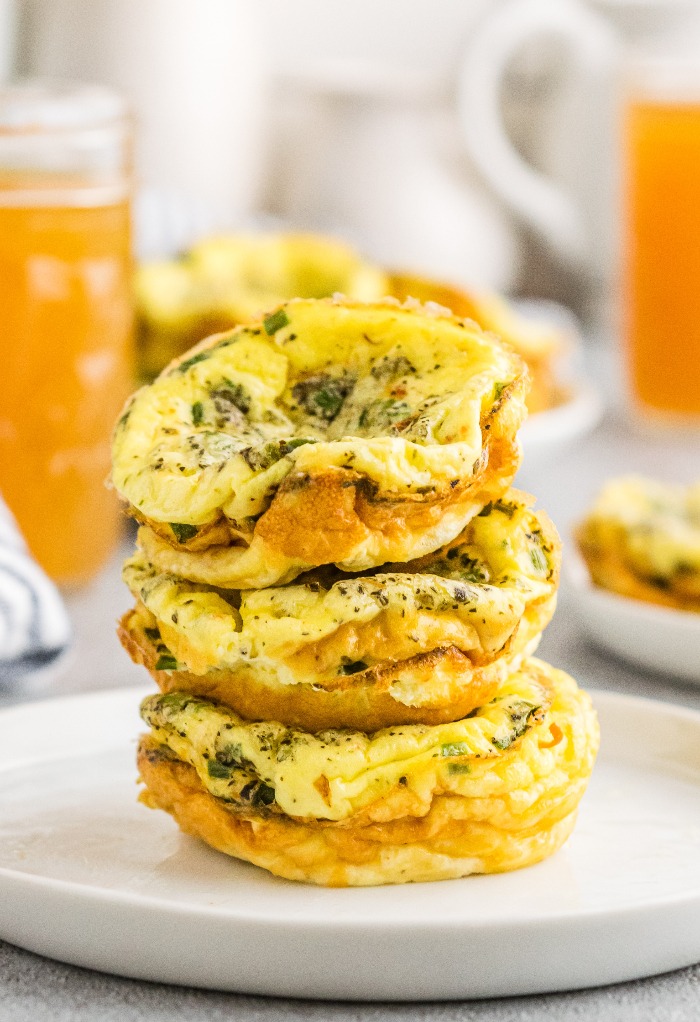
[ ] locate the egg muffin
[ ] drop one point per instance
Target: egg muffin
(425, 641)
(539, 344)
(329, 432)
(495, 791)
(641, 539)
(230, 279)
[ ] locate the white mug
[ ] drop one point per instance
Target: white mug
(367, 143)
(572, 213)
(373, 158)
(574, 204)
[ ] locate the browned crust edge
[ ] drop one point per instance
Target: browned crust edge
(361, 701)
(441, 844)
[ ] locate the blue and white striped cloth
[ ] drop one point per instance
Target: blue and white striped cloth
(34, 625)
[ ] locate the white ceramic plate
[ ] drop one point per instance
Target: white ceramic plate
(655, 638)
(89, 876)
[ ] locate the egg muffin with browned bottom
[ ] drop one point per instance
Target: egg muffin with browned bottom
(495, 791)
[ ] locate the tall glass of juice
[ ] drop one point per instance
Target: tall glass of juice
(661, 250)
(65, 316)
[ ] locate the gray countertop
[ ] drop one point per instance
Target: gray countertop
(32, 988)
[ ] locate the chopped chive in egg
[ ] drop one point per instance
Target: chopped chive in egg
(189, 362)
(538, 559)
(182, 531)
(329, 402)
(197, 413)
(166, 662)
(454, 749)
(275, 322)
(506, 509)
(264, 795)
(503, 742)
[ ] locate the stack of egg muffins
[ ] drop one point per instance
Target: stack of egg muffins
(338, 596)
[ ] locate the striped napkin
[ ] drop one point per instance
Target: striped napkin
(34, 625)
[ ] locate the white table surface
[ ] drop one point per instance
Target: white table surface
(34, 989)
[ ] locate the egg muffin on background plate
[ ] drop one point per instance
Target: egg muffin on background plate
(641, 538)
(637, 581)
(230, 279)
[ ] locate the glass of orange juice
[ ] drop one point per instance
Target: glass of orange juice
(65, 316)
(661, 270)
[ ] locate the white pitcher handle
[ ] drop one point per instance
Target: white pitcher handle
(532, 195)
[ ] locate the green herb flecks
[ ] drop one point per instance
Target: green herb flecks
(392, 367)
(322, 395)
(166, 662)
(459, 566)
(275, 322)
(217, 769)
(264, 795)
(197, 413)
(539, 561)
(329, 401)
(201, 356)
(231, 754)
(232, 402)
(504, 742)
(498, 505)
(380, 414)
(454, 749)
(459, 768)
(183, 532)
(504, 507)
(521, 713)
(258, 793)
(260, 458)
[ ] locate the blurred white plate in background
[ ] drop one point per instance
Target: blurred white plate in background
(656, 638)
(545, 432)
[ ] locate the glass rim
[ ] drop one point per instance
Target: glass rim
(35, 107)
(663, 77)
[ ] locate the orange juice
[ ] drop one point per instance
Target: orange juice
(65, 323)
(662, 254)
